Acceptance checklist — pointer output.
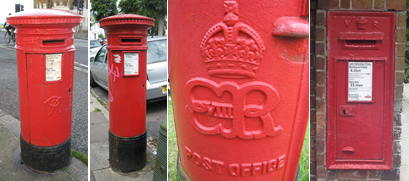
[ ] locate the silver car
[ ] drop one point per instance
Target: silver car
(157, 65)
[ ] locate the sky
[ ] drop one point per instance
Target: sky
(8, 6)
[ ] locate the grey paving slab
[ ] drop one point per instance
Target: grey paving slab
(78, 169)
(8, 144)
(12, 170)
(99, 155)
(91, 107)
(92, 178)
(2, 112)
(11, 123)
(96, 104)
(97, 117)
(404, 173)
(108, 175)
(99, 132)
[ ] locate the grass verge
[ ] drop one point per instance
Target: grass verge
(305, 155)
(81, 156)
(172, 146)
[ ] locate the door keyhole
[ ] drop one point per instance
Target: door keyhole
(344, 111)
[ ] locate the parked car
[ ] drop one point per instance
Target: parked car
(94, 47)
(157, 65)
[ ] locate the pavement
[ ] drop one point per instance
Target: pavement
(10, 98)
(404, 169)
(99, 151)
(11, 167)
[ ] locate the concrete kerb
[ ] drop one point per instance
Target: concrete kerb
(76, 169)
(96, 104)
(151, 150)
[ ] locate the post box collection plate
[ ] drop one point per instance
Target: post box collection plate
(360, 89)
(45, 61)
(131, 63)
(360, 81)
(53, 67)
(239, 79)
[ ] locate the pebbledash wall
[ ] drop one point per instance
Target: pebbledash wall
(318, 83)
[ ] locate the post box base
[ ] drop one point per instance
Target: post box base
(181, 172)
(45, 159)
(127, 154)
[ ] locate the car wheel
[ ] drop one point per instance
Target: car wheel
(92, 81)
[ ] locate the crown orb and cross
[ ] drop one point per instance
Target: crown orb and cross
(232, 49)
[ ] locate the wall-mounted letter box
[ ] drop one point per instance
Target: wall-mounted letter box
(360, 90)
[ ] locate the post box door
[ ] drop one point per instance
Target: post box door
(360, 89)
(49, 86)
(359, 123)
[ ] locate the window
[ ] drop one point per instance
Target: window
(101, 55)
(158, 51)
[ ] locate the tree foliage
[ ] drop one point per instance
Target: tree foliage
(103, 8)
(156, 9)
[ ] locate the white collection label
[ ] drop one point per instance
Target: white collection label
(360, 81)
(53, 67)
(131, 63)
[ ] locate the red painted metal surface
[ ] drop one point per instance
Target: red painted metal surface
(239, 85)
(360, 90)
(127, 93)
(45, 106)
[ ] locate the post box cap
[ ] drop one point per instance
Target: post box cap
(44, 17)
(127, 19)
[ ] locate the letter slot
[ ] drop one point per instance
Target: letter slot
(361, 41)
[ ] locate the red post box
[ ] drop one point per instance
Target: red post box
(45, 61)
(360, 90)
(239, 79)
(127, 46)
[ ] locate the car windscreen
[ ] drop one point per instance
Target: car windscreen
(157, 51)
(94, 43)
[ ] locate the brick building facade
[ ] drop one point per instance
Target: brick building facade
(318, 86)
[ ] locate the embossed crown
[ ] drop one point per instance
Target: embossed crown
(361, 22)
(232, 49)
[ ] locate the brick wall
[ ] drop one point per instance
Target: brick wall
(313, 150)
(318, 80)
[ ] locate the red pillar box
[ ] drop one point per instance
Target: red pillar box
(45, 61)
(239, 74)
(127, 46)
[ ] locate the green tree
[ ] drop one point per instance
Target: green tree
(101, 36)
(103, 8)
(156, 9)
